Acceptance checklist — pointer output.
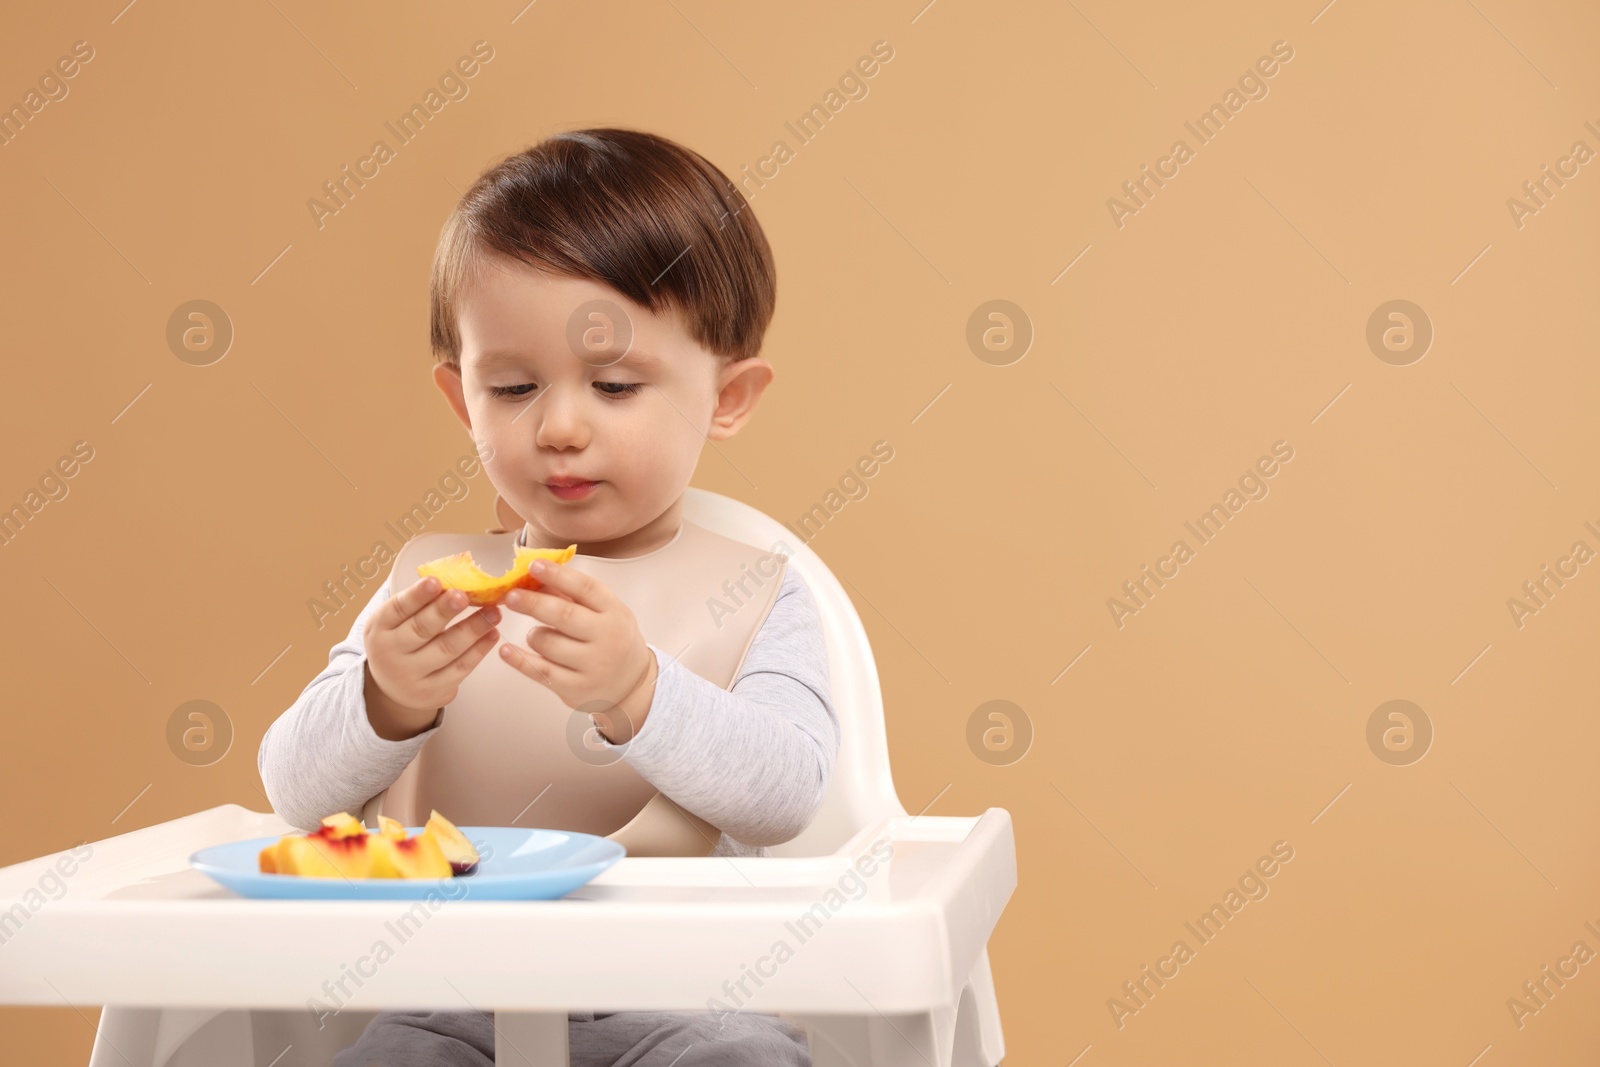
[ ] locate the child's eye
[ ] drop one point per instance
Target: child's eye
(606, 389)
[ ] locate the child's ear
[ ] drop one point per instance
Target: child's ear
(447, 376)
(740, 385)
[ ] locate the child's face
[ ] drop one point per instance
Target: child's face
(545, 395)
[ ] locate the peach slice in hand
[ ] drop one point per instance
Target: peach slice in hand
(461, 572)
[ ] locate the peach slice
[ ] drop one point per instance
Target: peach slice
(452, 842)
(341, 825)
(461, 572)
(411, 857)
(316, 856)
(342, 847)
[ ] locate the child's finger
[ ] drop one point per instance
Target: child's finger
(569, 582)
(561, 613)
(451, 642)
(556, 646)
(462, 664)
(410, 600)
(532, 664)
(416, 628)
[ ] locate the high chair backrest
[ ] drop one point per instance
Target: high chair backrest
(861, 790)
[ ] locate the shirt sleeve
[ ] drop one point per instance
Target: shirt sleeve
(322, 756)
(753, 760)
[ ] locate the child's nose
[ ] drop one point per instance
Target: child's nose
(561, 423)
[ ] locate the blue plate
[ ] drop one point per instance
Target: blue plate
(514, 864)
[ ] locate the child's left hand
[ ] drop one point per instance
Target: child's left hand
(589, 652)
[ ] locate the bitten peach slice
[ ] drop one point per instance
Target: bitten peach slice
(411, 857)
(461, 572)
(391, 828)
(452, 842)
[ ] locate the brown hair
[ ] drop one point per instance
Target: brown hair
(655, 221)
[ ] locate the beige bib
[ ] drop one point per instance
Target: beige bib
(510, 753)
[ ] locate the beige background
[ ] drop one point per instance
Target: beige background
(1229, 313)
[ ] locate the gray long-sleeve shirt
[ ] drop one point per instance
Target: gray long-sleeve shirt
(753, 760)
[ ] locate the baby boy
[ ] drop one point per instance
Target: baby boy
(589, 439)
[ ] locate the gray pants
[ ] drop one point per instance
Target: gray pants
(426, 1038)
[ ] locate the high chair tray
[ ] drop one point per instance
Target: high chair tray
(896, 919)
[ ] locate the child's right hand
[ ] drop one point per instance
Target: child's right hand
(414, 662)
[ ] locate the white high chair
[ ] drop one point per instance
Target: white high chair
(888, 964)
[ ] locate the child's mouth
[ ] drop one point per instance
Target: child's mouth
(573, 491)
